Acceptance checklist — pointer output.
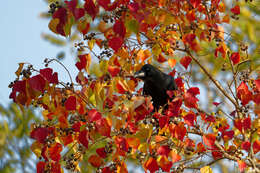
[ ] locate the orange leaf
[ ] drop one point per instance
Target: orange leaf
(171, 62)
(151, 165)
(165, 164)
(113, 70)
(209, 140)
(174, 156)
(95, 161)
(244, 94)
(143, 54)
(133, 142)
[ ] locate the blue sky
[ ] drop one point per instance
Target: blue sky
(20, 35)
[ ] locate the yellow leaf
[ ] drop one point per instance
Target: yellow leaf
(36, 148)
(91, 43)
(143, 147)
(206, 169)
(19, 70)
(156, 50)
(92, 99)
(53, 25)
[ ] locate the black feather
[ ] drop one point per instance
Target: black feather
(156, 84)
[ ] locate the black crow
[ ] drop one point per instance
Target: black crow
(156, 84)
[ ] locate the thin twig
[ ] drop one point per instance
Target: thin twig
(212, 79)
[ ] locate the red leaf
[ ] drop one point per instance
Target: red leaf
(119, 28)
(121, 144)
(54, 152)
(71, 4)
(256, 146)
(95, 161)
(55, 167)
(191, 16)
(120, 87)
(238, 124)
(209, 140)
(106, 4)
(246, 145)
(235, 57)
(82, 62)
(115, 43)
(41, 167)
(216, 154)
(70, 103)
(189, 119)
(227, 135)
(190, 100)
(103, 127)
(101, 152)
(78, 13)
(54, 79)
(163, 120)
(185, 61)
(94, 115)
(37, 83)
(246, 123)
(83, 138)
(241, 165)
(91, 8)
(216, 103)
(47, 74)
(133, 7)
(257, 84)
(195, 3)
(163, 150)
(113, 70)
(151, 165)
(40, 134)
(76, 126)
(200, 148)
(256, 98)
(61, 14)
(179, 131)
(235, 10)
(189, 38)
(194, 91)
(179, 83)
(18, 86)
(244, 94)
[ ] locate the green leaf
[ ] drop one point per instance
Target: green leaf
(132, 26)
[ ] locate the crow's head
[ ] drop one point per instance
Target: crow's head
(147, 72)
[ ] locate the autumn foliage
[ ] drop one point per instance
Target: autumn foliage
(101, 117)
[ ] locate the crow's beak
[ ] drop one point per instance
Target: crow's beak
(139, 74)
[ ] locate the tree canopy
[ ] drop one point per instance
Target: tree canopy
(101, 121)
